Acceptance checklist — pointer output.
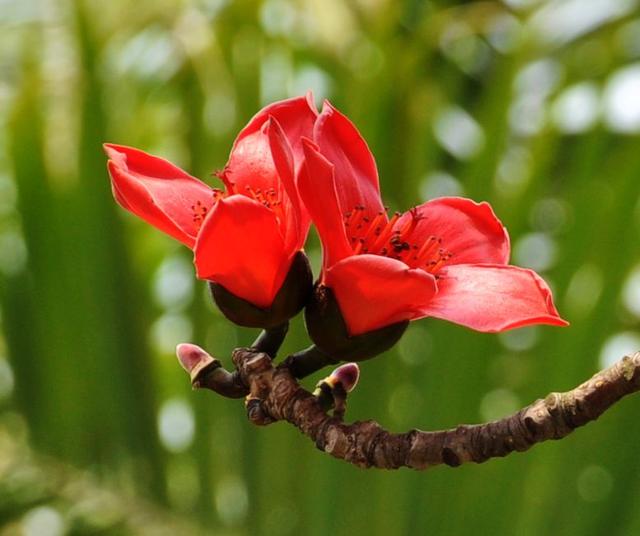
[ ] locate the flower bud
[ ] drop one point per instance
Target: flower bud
(331, 392)
(289, 301)
(346, 375)
(328, 330)
(194, 359)
(208, 373)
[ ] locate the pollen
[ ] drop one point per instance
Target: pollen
(379, 235)
(270, 198)
(217, 195)
(199, 213)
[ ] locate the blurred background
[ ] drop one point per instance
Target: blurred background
(531, 105)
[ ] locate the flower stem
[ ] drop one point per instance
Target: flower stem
(270, 339)
(308, 361)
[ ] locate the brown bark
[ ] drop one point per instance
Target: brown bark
(275, 395)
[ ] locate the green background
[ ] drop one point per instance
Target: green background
(533, 106)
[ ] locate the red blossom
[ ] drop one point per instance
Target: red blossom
(245, 236)
(447, 258)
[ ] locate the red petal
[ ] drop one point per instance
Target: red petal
(241, 248)
(493, 298)
(298, 222)
(157, 191)
(318, 192)
(250, 166)
(250, 162)
(374, 291)
(296, 116)
(469, 230)
(355, 169)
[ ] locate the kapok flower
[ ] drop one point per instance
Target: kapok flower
(246, 236)
(447, 258)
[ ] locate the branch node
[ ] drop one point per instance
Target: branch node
(256, 412)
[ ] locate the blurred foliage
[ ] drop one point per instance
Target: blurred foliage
(531, 105)
(40, 495)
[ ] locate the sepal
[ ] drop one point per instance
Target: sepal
(289, 301)
(328, 330)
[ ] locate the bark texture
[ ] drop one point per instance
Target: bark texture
(275, 395)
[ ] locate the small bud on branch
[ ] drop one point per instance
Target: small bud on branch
(275, 395)
(332, 391)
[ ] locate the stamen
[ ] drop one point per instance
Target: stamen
(436, 264)
(199, 213)
(375, 228)
(354, 218)
(379, 237)
(223, 175)
(270, 199)
(408, 226)
(427, 249)
(433, 268)
(385, 234)
(257, 195)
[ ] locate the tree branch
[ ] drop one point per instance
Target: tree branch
(275, 395)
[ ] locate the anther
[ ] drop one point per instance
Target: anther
(199, 213)
(385, 233)
(427, 248)
(374, 228)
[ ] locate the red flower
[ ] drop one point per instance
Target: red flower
(446, 258)
(245, 237)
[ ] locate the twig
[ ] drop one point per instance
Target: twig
(275, 395)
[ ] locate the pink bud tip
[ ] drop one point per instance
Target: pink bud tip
(190, 356)
(347, 375)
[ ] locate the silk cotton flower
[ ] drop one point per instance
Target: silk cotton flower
(447, 258)
(246, 236)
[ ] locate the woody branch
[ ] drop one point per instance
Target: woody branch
(275, 395)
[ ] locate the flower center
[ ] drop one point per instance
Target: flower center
(379, 236)
(268, 198)
(200, 210)
(199, 213)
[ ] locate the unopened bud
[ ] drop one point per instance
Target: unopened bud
(289, 301)
(207, 372)
(346, 375)
(194, 360)
(331, 392)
